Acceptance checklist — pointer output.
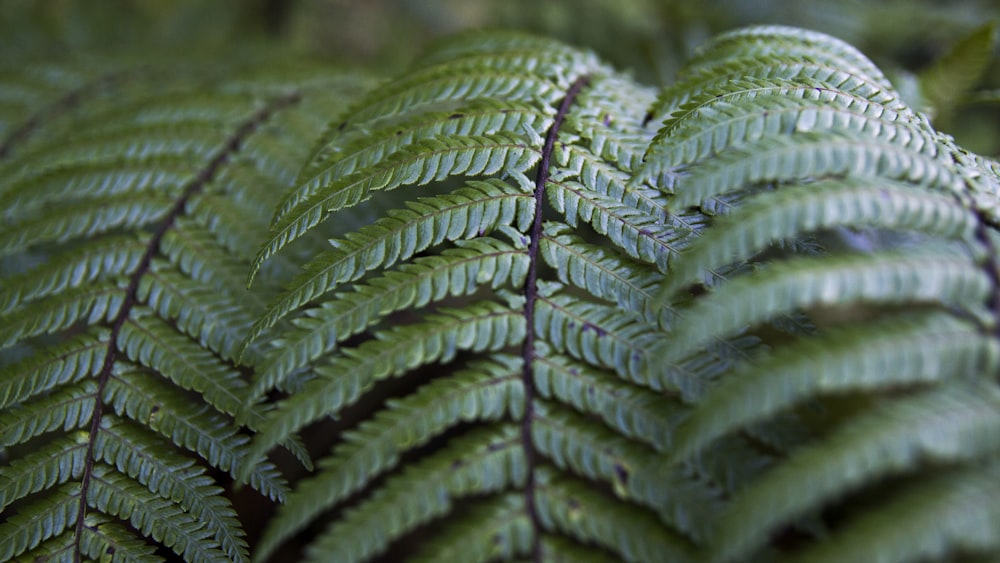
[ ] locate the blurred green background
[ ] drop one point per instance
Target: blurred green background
(651, 38)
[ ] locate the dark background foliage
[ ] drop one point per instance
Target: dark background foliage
(650, 37)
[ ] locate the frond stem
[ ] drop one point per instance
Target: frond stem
(60, 106)
(992, 267)
(207, 174)
(531, 296)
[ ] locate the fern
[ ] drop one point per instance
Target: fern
(120, 389)
(534, 309)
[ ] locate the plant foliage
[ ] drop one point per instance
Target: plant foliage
(560, 316)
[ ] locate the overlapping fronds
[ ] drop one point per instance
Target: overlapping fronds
(531, 309)
(464, 274)
(897, 378)
(123, 307)
(543, 301)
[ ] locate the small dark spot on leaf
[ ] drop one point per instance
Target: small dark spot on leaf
(572, 324)
(574, 504)
(697, 290)
(574, 371)
(155, 409)
(398, 133)
(110, 550)
(457, 463)
(342, 126)
(607, 121)
(456, 115)
(621, 473)
(647, 118)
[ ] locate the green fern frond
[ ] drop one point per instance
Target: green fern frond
(886, 278)
(810, 155)
(767, 40)
(833, 73)
(493, 529)
(119, 387)
(630, 410)
(794, 211)
(453, 273)
(744, 111)
(602, 273)
(640, 235)
(531, 309)
(941, 425)
(890, 354)
(483, 117)
(633, 472)
(417, 164)
(483, 391)
(951, 513)
(480, 463)
(477, 208)
(572, 507)
(481, 326)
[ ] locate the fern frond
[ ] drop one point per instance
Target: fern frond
(745, 111)
(162, 471)
(481, 326)
(832, 73)
(477, 208)
(56, 463)
(604, 274)
(494, 529)
(635, 474)
(809, 155)
(117, 348)
(116, 495)
(891, 354)
(417, 164)
(568, 505)
(785, 41)
(150, 341)
(60, 312)
(68, 362)
(483, 117)
(640, 235)
(630, 410)
(103, 536)
(95, 217)
(480, 463)
(793, 211)
(69, 409)
(144, 398)
(455, 272)
(42, 518)
(955, 422)
(886, 278)
(951, 513)
(483, 391)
